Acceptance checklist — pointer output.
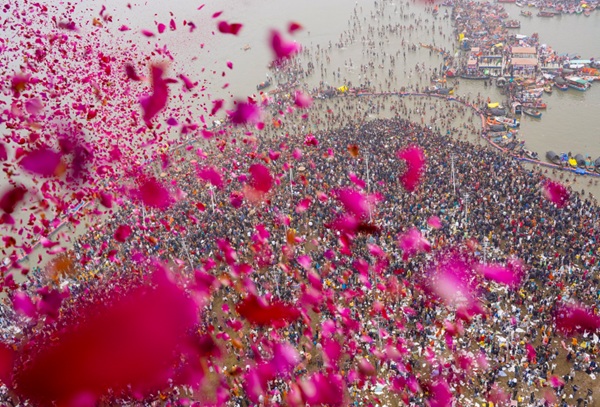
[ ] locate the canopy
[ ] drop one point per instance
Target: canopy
(343, 88)
(493, 105)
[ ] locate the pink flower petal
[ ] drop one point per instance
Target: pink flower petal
(211, 175)
(44, 162)
(415, 163)
(258, 312)
(226, 28)
(556, 193)
(11, 198)
(574, 319)
(261, 178)
(413, 242)
(156, 102)
(153, 193)
(132, 342)
(281, 48)
(245, 113)
(293, 27)
(510, 276)
(302, 100)
(122, 233)
(434, 222)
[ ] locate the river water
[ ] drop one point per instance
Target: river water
(567, 125)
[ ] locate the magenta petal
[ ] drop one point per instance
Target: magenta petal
(156, 102)
(281, 48)
(261, 178)
(43, 161)
(302, 100)
(153, 193)
(122, 233)
(413, 242)
(415, 163)
(556, 193)
(354, 202)
(502, 275)
(434, 222)
(10, 198)
(573, 319)
(23, 305)
(212, 175)
(245, 113)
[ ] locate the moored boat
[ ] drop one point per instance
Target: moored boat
(263, 85)
(577, 83)
(532, 113)
(526, 13)
(580, 160)
(512, 123)
(477, 76)
(597, 164)
(553, 158)
(561, 86)
(548, 88)
(545, 14)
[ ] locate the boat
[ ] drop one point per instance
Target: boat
(512, 123)
(501, 82)
(246, 47)
(497, 111)
(532, 113)
(553, 158)
(526, 13)
(512, 24)
(587, 12)
(519, 4)
(263, 85)
(577, 83)
(548, 88)
(545, 14)
(497, 127)
(517, 108)
(561, 86)
(580, 160)
(597, 164)
(572, 162)
(535, 105)
(477, 76)
(529, 154)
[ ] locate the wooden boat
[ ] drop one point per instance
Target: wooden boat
(517, 108)
(474, 76)
(532, 113)
(512, 123)
(526, 13)
(553, 158)
(512, 24)
(561, 86)
(548, 88)
(529, 154)
(597, 164)
(263, 85)
(580, 160)
(577, 83)
(535, 105)
(501, 82)
(545, 14)
(519, 4)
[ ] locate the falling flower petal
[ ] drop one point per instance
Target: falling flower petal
(10, 198)
(302, 100)
(261, 178)
(245, 113)
(556, 193)
(211, 175)
(415, 162)
(281, 48)
(573, 319)
(122, 233)
(156, 102)
(132, 343)
(413, 242)
(227, 28)
(258, 312)
(44, 162)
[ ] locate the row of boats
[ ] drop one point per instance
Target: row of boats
(574, 161)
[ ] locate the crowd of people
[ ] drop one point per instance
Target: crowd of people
(371, 319)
